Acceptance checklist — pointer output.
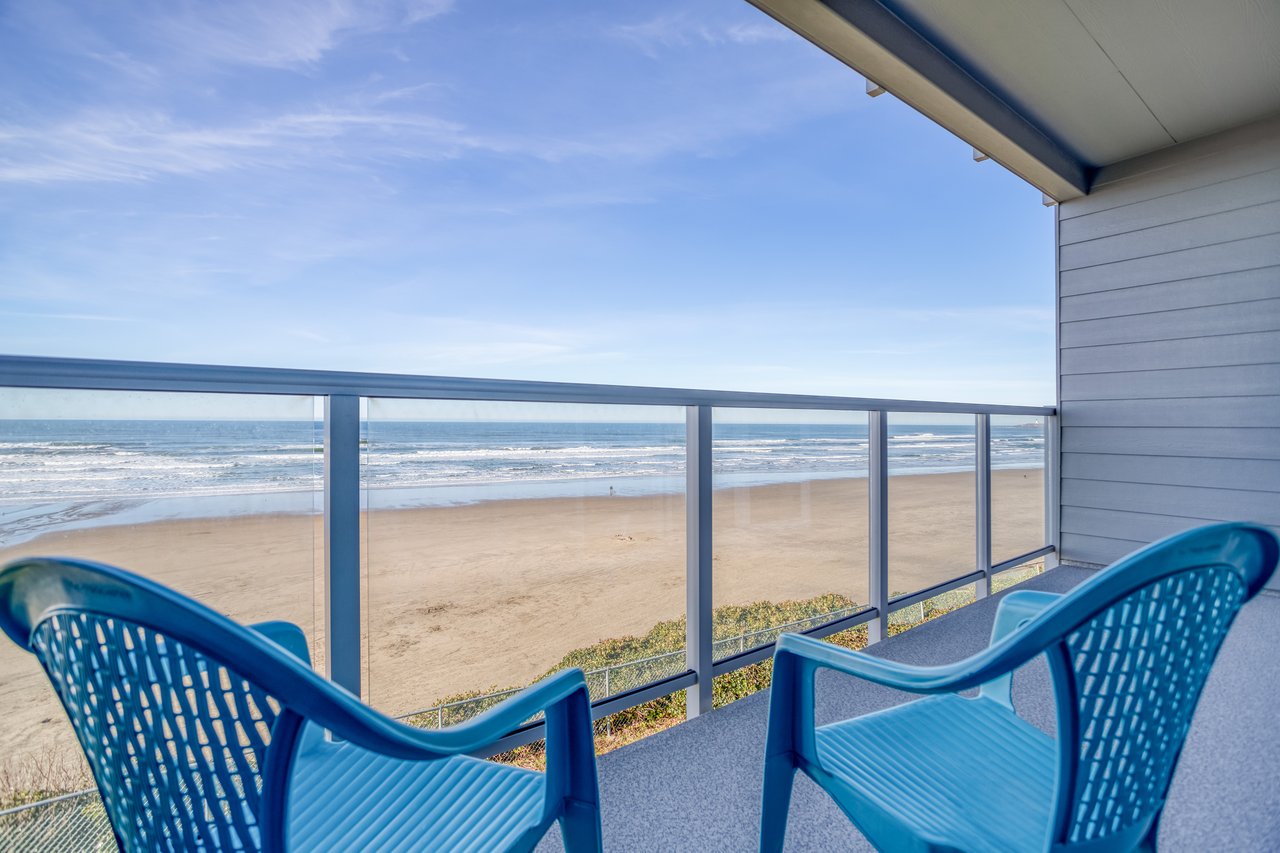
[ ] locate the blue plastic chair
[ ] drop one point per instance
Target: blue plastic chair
(203, 734)
(1129, 651)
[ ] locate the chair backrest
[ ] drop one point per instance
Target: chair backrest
(1136, 646)
(178, 709)
(177, 741)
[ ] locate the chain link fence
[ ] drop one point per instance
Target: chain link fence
(74, 823)
(621, 677)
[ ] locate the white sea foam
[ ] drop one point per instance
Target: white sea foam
(128, 462)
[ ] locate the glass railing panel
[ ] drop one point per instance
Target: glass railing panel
(789, 506)
(215, 495)
(506, 541)
(941, 604)
(932, 499)
(1017, 574)
(1017, 486)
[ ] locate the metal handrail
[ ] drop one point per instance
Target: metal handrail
(99, 374)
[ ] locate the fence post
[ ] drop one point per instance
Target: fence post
(878, 515)
(342, 539)
(1052, 490)
(698, 556)
(982, 436)
(608, 723)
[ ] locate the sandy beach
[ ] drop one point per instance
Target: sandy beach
(493, 594)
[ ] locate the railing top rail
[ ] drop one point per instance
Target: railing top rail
(96, 374)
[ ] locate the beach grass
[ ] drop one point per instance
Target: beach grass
(636, 723)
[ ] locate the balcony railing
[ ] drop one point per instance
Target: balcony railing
(616, 687)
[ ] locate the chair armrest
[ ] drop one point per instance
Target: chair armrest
(372, 730)
(498, 721)
(790, 738)
(571, 782)
(816, 654)
(1019, 607)
(288, 636)
(571, 790)
(1016, 609)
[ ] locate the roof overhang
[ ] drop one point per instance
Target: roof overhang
(1055, 89)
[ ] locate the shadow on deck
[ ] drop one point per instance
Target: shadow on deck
(696, 787)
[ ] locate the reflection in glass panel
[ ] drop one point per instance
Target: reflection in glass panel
(931, 608)
(932, 499)
(1017, 486)
(1017, 575)
(510, 540)
(790, 521)
(215, 495)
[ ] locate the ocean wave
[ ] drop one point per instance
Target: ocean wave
(381, 456)
(147, 460)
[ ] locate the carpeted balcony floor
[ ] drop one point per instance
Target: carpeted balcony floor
(696, 787)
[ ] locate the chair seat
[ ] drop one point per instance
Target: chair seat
(346, 798)
(962, 773)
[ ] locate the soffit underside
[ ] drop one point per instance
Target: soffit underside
(1055, 89)
(1115, 80)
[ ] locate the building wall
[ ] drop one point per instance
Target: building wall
(1169, 344)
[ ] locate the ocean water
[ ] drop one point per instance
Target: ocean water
(56, 474)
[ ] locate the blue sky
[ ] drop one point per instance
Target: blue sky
(667, 193)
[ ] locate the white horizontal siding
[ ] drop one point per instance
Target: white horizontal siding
(1206, 230)
(1127, 526)
(1169, 345)
(1216, 442)
(1233, 287)
(1247, 253)
(1183, 167)
(1250, 379)
(1226, 195)
(1188, 502)
(1203, 359)
(1239, 474)
(1096, 550)
(1258, 315)
(1217, 412)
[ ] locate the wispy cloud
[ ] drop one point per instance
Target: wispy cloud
(964, 320)
(434, 344)
(143, 146)
(125, 64)
(283, 33)
(405, 93)
(47, 315)
(130, 146)
(682, 29)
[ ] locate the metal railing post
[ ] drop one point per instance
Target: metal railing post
(982, 435)
(878, 515)
(1052, 490)
(342, 539)
(698, 651)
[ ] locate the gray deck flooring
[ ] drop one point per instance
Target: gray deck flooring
(695, 787)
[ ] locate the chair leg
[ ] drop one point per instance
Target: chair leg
(1148, 843)
(580, 828)
(779, 777)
